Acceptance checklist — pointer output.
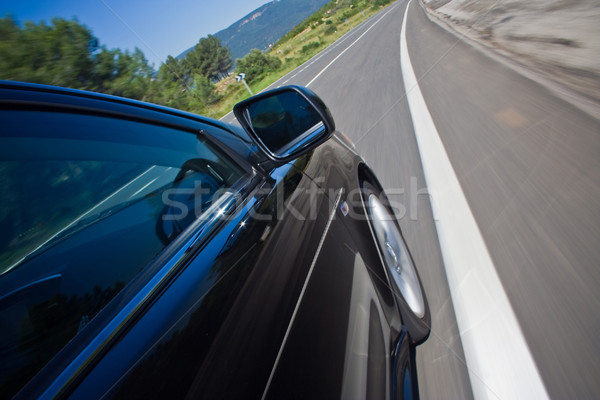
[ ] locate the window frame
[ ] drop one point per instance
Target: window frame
(90, 343)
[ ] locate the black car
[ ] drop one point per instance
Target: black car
(152, 253)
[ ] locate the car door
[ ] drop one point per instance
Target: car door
(99, 199)
(342, 341)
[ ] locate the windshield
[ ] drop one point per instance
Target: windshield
(86, 203)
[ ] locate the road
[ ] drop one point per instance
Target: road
(529, 167)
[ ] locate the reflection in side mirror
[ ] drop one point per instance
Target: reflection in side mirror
(285, 122)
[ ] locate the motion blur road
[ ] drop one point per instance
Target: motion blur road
(528, 164)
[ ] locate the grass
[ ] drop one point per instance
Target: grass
(295, 51)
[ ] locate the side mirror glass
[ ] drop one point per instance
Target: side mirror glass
(285, 122)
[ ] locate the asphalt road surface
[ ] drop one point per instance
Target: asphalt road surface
(529, 166)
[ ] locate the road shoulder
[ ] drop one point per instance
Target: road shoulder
(575, 86)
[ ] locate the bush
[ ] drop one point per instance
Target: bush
(256, 64)
(315, 18)
(331, 29)
(350, 13)
(309, 47)
(380, 3)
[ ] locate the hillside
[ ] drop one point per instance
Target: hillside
(265, 25)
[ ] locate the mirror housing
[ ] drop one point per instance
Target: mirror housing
(285, 122)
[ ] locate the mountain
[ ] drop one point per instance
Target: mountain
(265, 25)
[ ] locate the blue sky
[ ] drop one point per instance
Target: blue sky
(158, 27)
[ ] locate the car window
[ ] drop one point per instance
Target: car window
(86, 202)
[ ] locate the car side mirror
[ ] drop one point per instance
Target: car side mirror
(285, 122)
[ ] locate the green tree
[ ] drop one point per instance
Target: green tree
(208, 58)
(58, 54)
(131, 74)
(65, 53)
(10, 40)
(173, 70)
(170, 94)
(204, 89)
(256, 64)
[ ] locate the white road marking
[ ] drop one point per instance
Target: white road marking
(318, 56)
(499, 362)
(304, 66)
(225, 116)
(351, 44)
(308, 63)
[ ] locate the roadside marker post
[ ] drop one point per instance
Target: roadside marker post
(240, 77)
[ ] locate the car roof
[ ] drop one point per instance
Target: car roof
(76, 94)
(27, 94)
